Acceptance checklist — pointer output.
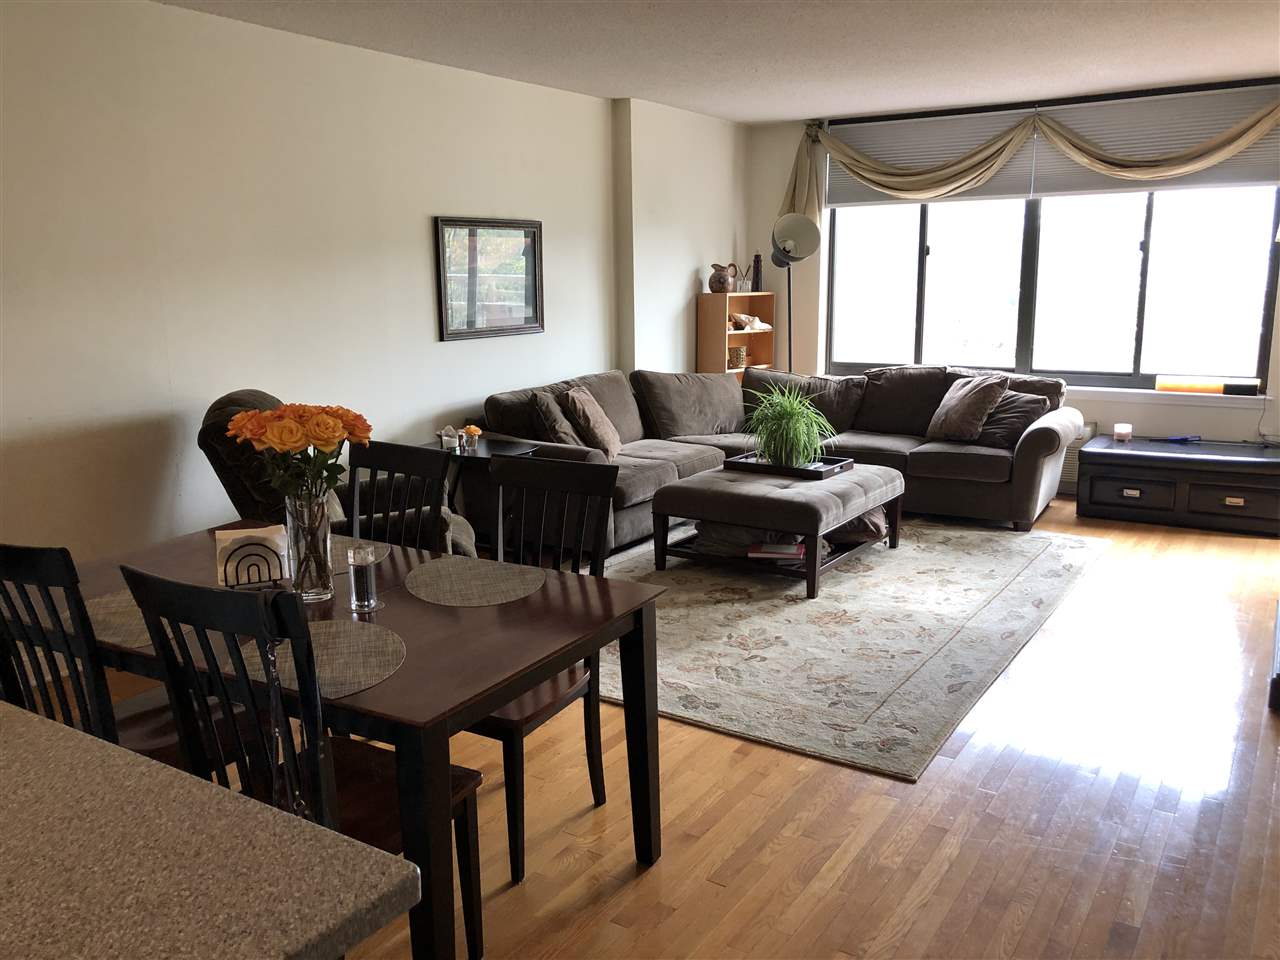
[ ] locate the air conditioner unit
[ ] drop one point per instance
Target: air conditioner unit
(1071, 465)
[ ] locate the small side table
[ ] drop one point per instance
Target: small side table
(475, 464)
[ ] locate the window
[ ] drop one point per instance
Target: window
(874, 281)
(1102, 289)
(1087, 285)
(971, 297)
(1206, 282)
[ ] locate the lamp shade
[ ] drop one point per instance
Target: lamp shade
(795, 238)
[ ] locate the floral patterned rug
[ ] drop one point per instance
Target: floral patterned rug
(880, 668)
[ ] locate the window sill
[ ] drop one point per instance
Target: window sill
(1126, 395)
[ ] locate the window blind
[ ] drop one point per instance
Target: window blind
(1140, 127)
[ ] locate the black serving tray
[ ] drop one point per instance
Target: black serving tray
(820, 469)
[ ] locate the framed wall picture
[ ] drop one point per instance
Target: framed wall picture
(488, 277)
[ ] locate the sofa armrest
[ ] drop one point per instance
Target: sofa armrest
(1051, 433)
(555, 451)
(1037, 463)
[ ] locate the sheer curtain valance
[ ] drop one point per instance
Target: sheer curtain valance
(977, 166)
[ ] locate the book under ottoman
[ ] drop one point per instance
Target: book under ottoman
(804, 508)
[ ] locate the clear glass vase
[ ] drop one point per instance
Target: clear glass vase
(310, 560)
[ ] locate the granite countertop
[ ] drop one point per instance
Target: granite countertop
(106, 853)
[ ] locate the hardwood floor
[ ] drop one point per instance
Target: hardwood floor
(1114, 794)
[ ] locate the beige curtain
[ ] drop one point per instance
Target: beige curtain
(1227, 144)
(982, 163)
(805, 190)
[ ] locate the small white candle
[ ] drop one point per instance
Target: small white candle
(1124, 431)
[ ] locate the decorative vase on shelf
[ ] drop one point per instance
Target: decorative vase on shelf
(310, 556)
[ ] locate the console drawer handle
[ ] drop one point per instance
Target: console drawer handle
(1131, 492)
(1233, 501)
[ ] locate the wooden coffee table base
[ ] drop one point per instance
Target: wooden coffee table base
(813, 568)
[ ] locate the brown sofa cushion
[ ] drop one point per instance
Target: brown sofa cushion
(688, 458)
(885, 449)
(901, 400)
(590, 422)
(639, 480)
(512, 413)
(947, 460)
(965, 406)
(730, 444)
(1054, 389)
(551, 423)
(678, 404)
(1009, 420)
(837, 398)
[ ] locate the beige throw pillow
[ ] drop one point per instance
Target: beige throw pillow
(590, 421)
(964, 408)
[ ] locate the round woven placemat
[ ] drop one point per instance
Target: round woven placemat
(116, 619)
(351, 656)
(457, 581)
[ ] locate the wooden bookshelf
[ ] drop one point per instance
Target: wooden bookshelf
(715, 338)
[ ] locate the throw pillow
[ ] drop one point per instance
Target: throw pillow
(965, 407)
(901, 400)
(1009, 420)
(590, 422)
(688, 404)
(836, 398)
(553, 426)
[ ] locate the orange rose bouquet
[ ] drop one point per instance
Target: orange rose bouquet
(301, 444)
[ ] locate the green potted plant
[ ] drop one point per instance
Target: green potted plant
(789, 429)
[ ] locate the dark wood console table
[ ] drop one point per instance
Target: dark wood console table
(1212, 485)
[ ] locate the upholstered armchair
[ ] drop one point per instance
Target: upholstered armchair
(237, 465)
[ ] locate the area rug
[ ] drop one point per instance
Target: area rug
(880, 668)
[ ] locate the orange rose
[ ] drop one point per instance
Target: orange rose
(301, 412)
(325, 432)
(249, 425)
(286, 435)
(357, 427)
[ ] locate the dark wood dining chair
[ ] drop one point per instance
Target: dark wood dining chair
(549, 513)
(206, 637)
(397, 494)
(50, 663)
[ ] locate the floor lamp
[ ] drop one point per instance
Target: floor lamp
(795, 238)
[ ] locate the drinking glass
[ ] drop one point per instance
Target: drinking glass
(361, 558)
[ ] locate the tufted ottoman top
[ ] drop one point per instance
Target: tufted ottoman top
(786, 504)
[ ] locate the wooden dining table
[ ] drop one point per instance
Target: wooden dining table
(461, 664)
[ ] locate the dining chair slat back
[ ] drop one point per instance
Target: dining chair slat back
(397, 494)
(49, 658)
(206, 637)
(552, 511)
(549, 511)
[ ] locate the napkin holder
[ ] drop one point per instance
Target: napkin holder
(252, 559)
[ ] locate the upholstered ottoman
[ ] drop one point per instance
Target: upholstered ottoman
(806, 508)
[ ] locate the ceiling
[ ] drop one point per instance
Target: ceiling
(762, 60)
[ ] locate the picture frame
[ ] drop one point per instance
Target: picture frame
(488, 277)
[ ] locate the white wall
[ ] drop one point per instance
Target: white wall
(687, 181)
(192, 205)
(770, 153)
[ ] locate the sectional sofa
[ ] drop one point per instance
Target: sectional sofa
(673, 425)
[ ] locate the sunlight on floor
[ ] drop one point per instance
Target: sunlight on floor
(1146, 688)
